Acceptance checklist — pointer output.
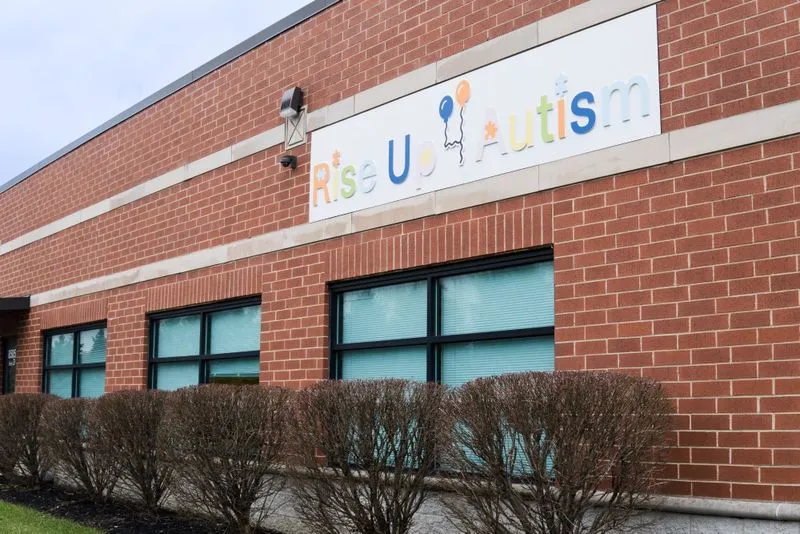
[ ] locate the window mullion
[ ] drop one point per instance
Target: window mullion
(339, 334)
(334, 371)
(153, 340)
(201, 368)
(204, 334)
(46, 365)
(75, 358)
(431, 329)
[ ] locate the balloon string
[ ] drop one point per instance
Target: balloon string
(450, 144)
(458, 143)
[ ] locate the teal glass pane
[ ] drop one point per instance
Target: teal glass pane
(389, 312)
(502, 299)
(172, 376)
(236, 371)
(61, 349)
(92, 346)
(515, 459)
(179, 336)
(91, 382)
(59, 383)
(410, 363)
(236, 330)
(462, 362)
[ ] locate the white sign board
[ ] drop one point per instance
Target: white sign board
(590, 90)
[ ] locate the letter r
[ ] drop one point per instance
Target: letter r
(320, 177)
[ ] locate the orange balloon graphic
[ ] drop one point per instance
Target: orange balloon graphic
(462, 92)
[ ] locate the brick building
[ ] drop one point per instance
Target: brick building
(647, 221)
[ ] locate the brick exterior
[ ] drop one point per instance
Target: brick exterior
(686, 272)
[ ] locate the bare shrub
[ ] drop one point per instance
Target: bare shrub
(380, 439)
(555, 453)
(224, 443)
(126, 425)
(21, 458)
(72, 443)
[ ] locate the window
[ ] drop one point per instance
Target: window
(448, 324)
(211, 344)
(75, 362)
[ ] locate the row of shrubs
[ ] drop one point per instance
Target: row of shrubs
(525, 453)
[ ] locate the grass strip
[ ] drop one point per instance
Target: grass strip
(16, 519)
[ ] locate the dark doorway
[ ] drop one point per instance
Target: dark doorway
(9, 365)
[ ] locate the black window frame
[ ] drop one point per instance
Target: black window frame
(204, 358)
(433, 341)
(76, 366)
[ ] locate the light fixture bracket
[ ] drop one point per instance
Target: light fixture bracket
(294, 133)
(291, 103)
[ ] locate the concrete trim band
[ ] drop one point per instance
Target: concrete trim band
(705, 506)
(775, 511)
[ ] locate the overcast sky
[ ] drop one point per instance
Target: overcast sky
(68, 66)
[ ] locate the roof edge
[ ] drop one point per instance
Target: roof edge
(265, 35)
(15, 303)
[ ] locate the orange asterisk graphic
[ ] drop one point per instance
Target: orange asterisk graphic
(491, 130)
(336, 158)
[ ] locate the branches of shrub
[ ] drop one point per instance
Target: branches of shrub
(127, 427)
(380, 439)
(21, 458)
(535, 452)
(555, 453)
(72, 443)
(224, 443)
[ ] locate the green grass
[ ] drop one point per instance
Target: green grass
(20, 520)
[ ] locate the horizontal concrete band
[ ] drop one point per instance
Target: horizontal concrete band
(748, 128)
(741, 509)
(575, 19)
(767, 510)
(775, 511)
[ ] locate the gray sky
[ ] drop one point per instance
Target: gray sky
(68, 66)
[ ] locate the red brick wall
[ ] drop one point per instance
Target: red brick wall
(713, 55)
(724, 57)
(246, 198)
(686, 272)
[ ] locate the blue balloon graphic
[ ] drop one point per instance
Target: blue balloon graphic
(446, 108)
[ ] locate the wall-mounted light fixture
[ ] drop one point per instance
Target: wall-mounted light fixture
(291, 102)
(289, 161)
